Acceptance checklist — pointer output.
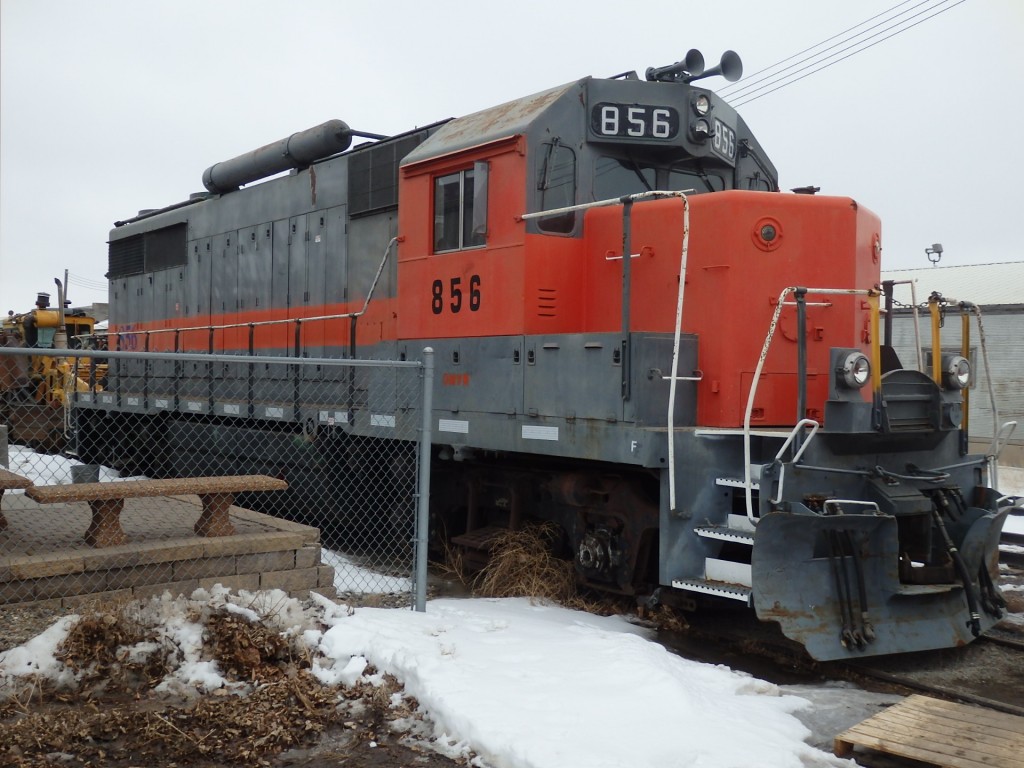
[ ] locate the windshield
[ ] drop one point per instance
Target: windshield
(617, 176)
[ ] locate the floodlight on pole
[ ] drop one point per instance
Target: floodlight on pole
(934, 253)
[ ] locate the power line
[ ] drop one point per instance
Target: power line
(786, 78)
(85, 284)
(728, 89)
(85, 281)
(820, 59)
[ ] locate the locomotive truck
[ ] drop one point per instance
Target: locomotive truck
(638, 338)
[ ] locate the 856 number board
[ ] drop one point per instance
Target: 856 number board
(634, 121)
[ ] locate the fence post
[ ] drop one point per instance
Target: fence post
(423, 494)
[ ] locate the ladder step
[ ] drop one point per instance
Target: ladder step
(740, 523)
(728, 572)
(716, 588)
(782, 434)
(732, 482)
(725, 533)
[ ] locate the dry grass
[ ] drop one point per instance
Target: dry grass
(452, 566)
(522, 565)
(668, 619)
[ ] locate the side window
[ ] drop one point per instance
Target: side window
(460, 209)
(557, 185)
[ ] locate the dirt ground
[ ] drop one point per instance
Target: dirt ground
(114, 717)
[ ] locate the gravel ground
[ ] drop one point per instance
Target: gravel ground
(19, 623)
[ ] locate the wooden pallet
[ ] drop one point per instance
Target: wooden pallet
(940, 733)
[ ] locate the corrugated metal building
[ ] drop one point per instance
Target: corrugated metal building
(998, 290)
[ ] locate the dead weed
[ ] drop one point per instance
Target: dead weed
(522, 565)
(251, 651)
(115, 719)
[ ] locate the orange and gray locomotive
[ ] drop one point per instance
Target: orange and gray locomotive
(638, 338)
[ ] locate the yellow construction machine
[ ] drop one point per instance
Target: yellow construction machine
(35, 388)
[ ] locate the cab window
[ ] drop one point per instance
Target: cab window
(557, 185)
(617, 176)
(460, 209)
(614, 178)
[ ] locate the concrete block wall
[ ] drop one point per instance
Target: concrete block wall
(286, 556)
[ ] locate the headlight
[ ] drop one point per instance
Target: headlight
(701, 104)
(856, 370)
(701, 129)
(956, 372)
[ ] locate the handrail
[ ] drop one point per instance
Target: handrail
(760, 366)
(677, 334)
(917, 320)
(855, 502)
(625, 201)
(654, 193)
(262, 323)
(998, 443)
(917, 325)
(815, 426)
(983, 343)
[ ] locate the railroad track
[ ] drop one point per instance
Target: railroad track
(937, 676)
(1008, 642)
(989, 672)
(1011, 549)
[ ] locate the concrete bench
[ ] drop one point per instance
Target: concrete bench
(107, 500)
(10, 481)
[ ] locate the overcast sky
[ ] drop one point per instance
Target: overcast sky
(111, 106)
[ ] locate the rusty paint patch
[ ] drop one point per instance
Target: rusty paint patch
(504, 120)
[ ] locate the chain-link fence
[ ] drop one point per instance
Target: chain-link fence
(129, 474)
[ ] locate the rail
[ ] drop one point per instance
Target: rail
(998, 443)
(916, 315)
(252, 325)
(793, 436)
(835, 506)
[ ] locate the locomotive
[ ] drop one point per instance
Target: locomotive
(638, 338)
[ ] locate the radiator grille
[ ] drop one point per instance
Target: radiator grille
(373, 174)
(148, 252)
